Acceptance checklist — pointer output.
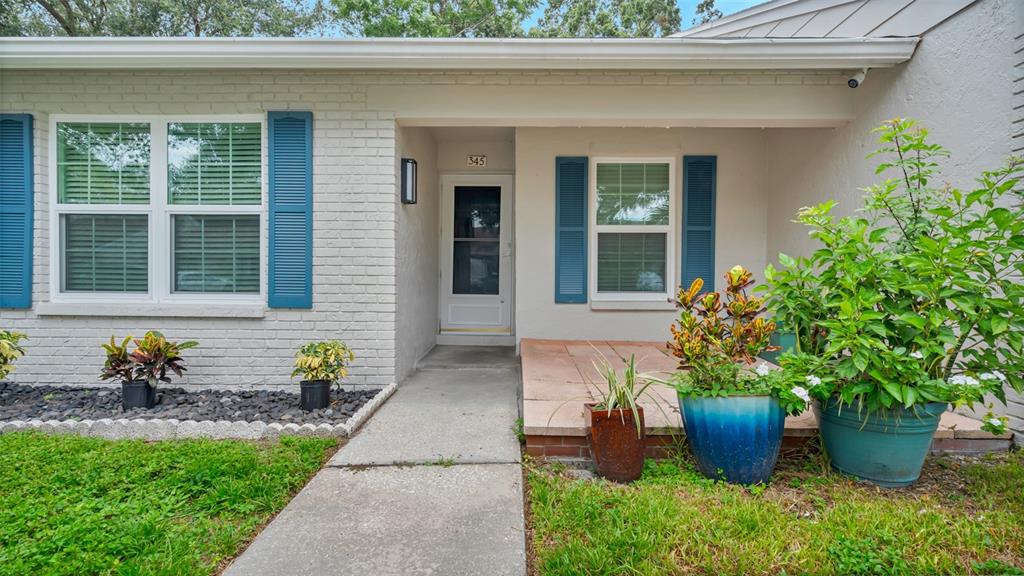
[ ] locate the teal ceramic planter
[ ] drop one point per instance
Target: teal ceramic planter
(887, 449)
(785, 340)
(736, 439)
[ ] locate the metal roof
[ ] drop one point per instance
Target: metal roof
(831, 19)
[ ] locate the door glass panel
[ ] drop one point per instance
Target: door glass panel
(476, 243)
(475, 268)
(477, 212)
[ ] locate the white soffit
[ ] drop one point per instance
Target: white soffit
(831, 19)
(454, 53)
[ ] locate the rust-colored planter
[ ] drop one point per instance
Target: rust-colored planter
(617, 450)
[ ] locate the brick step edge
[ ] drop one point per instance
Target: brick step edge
(662, 446)
(173, 429)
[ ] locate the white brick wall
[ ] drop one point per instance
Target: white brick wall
(354, 232)
(355, 208)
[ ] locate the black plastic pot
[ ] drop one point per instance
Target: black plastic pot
(137, 394)
(314, 394)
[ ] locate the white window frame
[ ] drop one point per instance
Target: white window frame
(159, 211)
(668, 229)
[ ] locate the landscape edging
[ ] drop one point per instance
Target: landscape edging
(173, 429)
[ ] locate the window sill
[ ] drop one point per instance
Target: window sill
(652, 305)
(142, 310)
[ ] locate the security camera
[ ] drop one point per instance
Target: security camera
(857, 79)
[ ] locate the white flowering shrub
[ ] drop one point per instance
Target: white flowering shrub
(916, 299)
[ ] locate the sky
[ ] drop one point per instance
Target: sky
(688, 8)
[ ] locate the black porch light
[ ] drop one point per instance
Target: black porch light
(408, 181)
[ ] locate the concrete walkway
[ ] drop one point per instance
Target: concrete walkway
(431, 485)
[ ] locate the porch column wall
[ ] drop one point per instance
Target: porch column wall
(417, 252)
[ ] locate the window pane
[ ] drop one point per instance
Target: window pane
(106, 253)
(217, 254)
(632, 194)
(103, 163)
(213, 163)
(630, 262)
(477, 211)
(475, 267)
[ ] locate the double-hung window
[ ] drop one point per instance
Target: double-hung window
(157, 209)
(633, 208)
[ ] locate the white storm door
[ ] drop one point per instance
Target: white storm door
(476, 254)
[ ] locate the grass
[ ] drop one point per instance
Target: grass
(71, 505)
(961, 518)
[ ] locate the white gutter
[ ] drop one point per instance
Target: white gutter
(455, 53)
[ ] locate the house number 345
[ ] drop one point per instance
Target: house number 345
(476, 161)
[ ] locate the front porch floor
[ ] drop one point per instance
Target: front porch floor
(559, 377)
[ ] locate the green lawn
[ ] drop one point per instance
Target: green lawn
(71, 505)
(960, 519)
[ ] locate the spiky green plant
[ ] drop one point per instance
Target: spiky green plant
(621, 393)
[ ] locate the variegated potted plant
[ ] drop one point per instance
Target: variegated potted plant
(10, 350)
(733, 408)
(140, 370)
(321, 364)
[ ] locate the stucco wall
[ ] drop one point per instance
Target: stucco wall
(740, 232)
(959, 85)
(417, 264)
(454, 144)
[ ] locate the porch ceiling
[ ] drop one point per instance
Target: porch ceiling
(656, 106)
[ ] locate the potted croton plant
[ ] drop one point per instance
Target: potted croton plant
(733, 407)
(617, 435)
(140, 370)
(320, 364)
(912, 305)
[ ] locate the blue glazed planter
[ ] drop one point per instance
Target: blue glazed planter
(887, 449)
(735, 439)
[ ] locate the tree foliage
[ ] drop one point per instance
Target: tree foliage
(608, 19)
(161, 17)
(706, 12)
(434, 18)
(365, 18)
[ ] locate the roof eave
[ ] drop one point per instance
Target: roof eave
(405, 53)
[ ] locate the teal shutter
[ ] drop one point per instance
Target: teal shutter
(699, 219)
(290, 175)
(571, 229)
(16, 210)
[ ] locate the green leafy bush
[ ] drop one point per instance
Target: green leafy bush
(10, 350)
(917, 298)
